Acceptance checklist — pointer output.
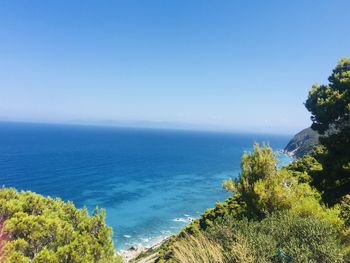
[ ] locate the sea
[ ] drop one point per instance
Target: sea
(150, 182)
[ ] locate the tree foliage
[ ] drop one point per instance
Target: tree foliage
(330, 108)
(329, 104)
(49, 230)
(264, 189)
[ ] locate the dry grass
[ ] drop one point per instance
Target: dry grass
(3, 238)
(197, 249)
(240, 251)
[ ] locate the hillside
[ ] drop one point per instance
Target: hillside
(302, 143)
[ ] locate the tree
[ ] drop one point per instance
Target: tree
(263, 189)
(41, 229)
(330, 108)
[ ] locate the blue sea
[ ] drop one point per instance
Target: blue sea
(151, 182)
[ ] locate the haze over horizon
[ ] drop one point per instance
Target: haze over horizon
(228, 66)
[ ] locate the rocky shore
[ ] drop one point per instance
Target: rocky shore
(134, 251)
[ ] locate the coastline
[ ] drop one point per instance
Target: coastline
(134, 251)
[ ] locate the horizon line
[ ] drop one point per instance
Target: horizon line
(148, 127)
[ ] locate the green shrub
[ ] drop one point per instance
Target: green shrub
(41, 229)
(278, 237)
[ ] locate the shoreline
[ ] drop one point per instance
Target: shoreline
(134, 251)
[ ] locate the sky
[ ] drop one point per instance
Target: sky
(225, 65)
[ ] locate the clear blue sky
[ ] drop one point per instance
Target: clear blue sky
(243, 65)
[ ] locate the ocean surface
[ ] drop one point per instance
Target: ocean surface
(151, 182)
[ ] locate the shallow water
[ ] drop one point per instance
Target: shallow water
(151, 182)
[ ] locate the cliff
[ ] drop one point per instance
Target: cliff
(302, 143)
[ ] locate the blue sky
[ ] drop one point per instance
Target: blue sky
(238, 65)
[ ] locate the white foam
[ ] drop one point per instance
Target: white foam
(187, 219)
(184, 220)
(144, 239)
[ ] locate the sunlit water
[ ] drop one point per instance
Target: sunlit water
(151, 182)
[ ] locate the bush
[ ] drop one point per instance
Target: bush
(278, 237)
(42, 229)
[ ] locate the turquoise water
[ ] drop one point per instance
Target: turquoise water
(151, 182)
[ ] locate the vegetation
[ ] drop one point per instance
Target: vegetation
(277, 238)
(198, 249)
(330, 108)
(46, 230)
